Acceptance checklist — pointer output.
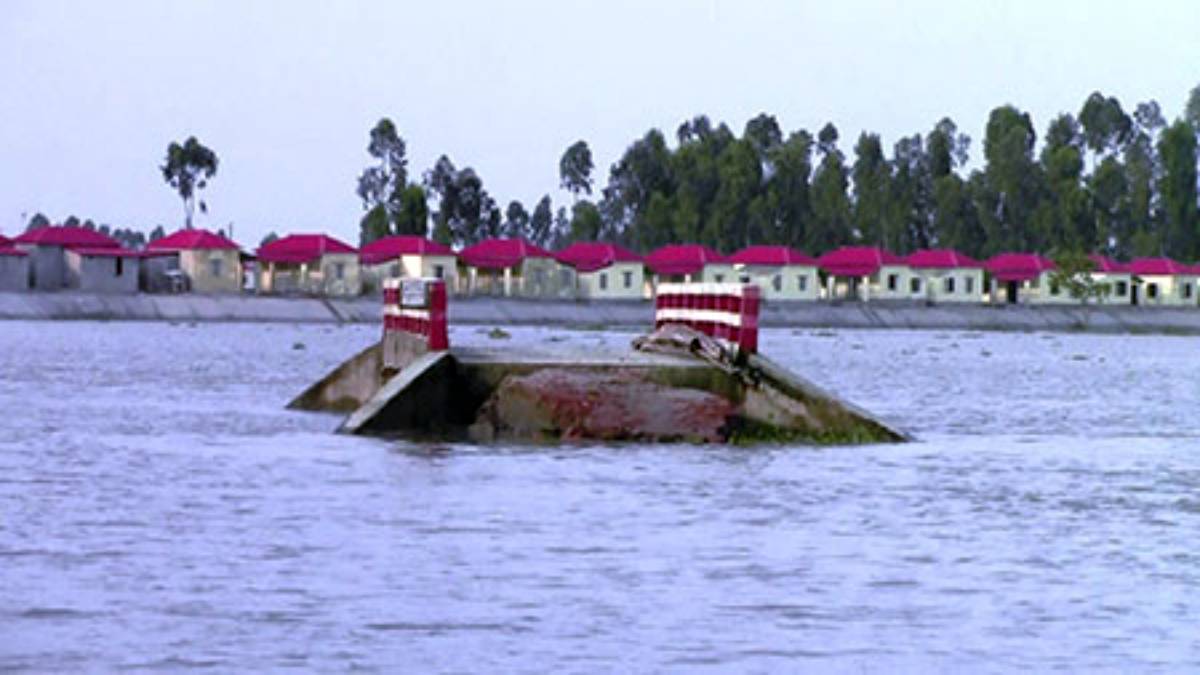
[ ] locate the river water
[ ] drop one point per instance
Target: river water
(160, 509)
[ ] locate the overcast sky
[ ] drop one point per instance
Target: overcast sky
(285, 92)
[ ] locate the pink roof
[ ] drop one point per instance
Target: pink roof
(857, 261)
(11, 252)
(1018, 266)
(5, 242)
(60, 235)
(589, 256)
(771, 255)
(501, 253)
(390, 248)
(302, 248)
(676, 259)
(941, 259)
(1159, 267)
(192, 240)
(1105, 264)
(105, 252)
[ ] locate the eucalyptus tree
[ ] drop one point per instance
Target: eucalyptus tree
(187, 169)
(575, 169)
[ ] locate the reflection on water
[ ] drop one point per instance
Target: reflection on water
(161, 510)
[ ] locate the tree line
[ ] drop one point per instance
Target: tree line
(1105, 179)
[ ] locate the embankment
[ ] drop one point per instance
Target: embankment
(497, 311)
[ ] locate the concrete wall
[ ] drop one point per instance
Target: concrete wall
(102, 274)
(601, 315)
(212, 271)
(948, 285)
(14, 273)
(335, 275)
(619, 281)
(48, 267)
(784, 282)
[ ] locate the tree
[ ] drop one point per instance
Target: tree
(585, 221)
(271, 236)
(187, 169)
(1012, 181)
(39, 219)
(516, 220)
(575, 169)
(382, 188)
(1191, 111)
(541, 222)
(1106, 127)
(830, 205)
(1177, 185)
(872, 192)
(413, 216)
(1073, 272)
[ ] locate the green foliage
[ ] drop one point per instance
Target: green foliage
(187, 169)
(1074, 274)
(392, 205)
(1177, 186)
(575, 168)
(271, 236)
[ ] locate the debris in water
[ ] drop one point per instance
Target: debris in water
(498, 334)
(298, 346)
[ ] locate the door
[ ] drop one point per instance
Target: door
(1133, 294)
(1010, 293)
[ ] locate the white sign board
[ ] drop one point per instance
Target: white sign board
(413, 293)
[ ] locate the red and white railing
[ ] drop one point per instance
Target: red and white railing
(727, 312)
(417, 307)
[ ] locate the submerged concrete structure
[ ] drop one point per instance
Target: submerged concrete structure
(697, 378)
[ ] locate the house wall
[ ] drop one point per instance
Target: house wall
(14, 273)
(947, 285)
(337, 274)
(545, 278)
(1168, 291)
(783, 282)
(102, 274)
(411, 266)
(48, 266)
(153, 273)
(198, 267)
(1120, 286)
(891, 282)
(619, 281)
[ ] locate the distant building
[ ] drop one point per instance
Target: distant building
(604, 271)
(1162, 282)
(314, 264)
(865, 273)
(944, 275)
(783, 273)
(103, 269)
(1121, 289)
(47, 254)
(14, 267)
(515, 268)
(1020, 278)
(689, 263)
(192, 260)
(407, 256)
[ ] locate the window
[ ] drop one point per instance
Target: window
(1152, 291)
(339, 271)
(970, 286)
(777, 283)
(1053, 288)
(949, 285)
(1122, 289)
(628, 278)
(120, 266)
(1187, 291)
(744, 278)
(802, 282)
(604, 281)
(439, 271)
(914, 285)
(395, 271)
(214, 267)
(718, 278)
(893, 282)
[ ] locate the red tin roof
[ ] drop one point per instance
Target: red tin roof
(1105, 264)
(771, 255)
(1018, 266)
(390, 248)
(192, 240)
(501, 253)
(11, 252)
(60, 235)
(105, 252)
(589, 256)
(857, 261)
(1159, 267)
(302, 248)
(676, 259)
(5, 242)
(941, 259)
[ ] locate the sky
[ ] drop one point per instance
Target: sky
(286, 92)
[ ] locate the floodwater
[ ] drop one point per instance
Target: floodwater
(159, 509)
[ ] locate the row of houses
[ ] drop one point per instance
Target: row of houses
(196, 260)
